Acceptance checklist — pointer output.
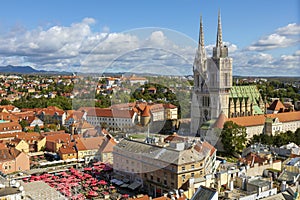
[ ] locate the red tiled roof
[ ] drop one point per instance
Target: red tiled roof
(29, 137)
(77, 115)
(169, 105)
(7, 107)
(67, 148)
(93, 142)
(108, 144)
(24, 115)
(10, 126)
(146, 112)
(4, 136)
(175, 138)
(220, 121)
(84, 125)
(50, 110)
(8, 153)
(8, 117)
(61, 137)
(276, 106)
(105, 112)
(260, 119)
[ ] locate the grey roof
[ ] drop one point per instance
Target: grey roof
(280, 196)
(259, 182)
(204, 193)
(41, 190)
(165, 154)
(288, 176)
(9, 191)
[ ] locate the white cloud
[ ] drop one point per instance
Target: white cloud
(78, 48)
(283, 37)
(290, 29)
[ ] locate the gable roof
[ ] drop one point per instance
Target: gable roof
(51, 110)
(8, 117)
(93, 142)
(67, 148)
(108, 144)
(7, 154)
(75, 114)
(277, 106)
(175, 138)
(61, 138)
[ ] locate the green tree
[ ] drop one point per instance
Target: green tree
(233, 137)
(23, 124)
(5, 102)
(37, 129)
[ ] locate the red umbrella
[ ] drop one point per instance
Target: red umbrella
(112, 187)
(125, 195)
(95, 188)
(102, 182)
(87, 169)
(92, 193)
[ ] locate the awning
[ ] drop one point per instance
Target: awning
(124, 185)
(134, 185)
(119, 182)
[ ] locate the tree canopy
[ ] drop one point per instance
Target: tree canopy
(233, 137)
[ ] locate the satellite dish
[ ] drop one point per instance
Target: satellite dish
(17, 184)
(12, 182)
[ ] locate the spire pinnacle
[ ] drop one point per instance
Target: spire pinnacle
(201, 34)
(219, 42)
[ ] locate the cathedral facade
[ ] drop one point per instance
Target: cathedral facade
(214, 93)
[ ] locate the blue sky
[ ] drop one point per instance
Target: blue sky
(89, 35)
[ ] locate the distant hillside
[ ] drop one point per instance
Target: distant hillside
(26, 70)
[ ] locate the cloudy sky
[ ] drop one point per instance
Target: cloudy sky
(156, 36)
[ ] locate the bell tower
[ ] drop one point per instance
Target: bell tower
(212, 81)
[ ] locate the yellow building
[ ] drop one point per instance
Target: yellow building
(22, 145)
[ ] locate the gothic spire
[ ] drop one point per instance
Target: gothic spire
(219, 42)
(201, 34)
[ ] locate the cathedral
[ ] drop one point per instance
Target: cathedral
(214, 93)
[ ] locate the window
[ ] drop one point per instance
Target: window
(145, 175)
(151, 177)
(172, 176)
(158, 179)
(193, 166)
(165, 182)
(183, 177)
(183, 168)
(192, 175)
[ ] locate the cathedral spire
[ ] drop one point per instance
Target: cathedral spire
(201, 34)
(219, 42)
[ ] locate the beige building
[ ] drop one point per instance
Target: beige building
(269, 124)
(171, 112)
(161, 169)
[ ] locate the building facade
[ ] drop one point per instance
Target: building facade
(162, 169)
(213, 92)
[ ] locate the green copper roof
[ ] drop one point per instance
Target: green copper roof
(257, 110)
(249, 92)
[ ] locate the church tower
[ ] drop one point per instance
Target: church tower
(212, 81)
